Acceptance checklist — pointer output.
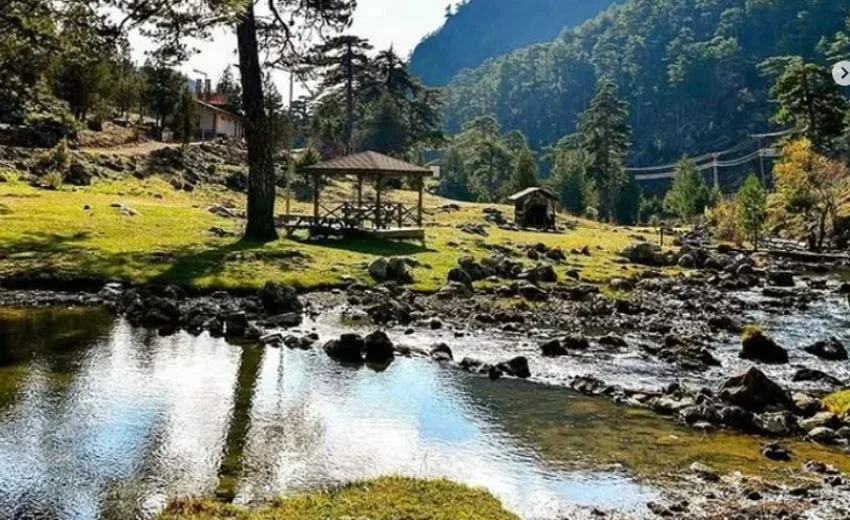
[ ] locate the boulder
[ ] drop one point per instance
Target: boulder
(553, 348)
(823, 435)
(460, 276)
(755, 392)
(348, 348)
(280, 299)
(756, 346)
(687, 261)
(79, 174)
(645, 253)
(454, 290)
(816, 376)
(517, 367)
(286, 320)
(543, 273)
(775, 424)
(737, 418)
(379, 348)
(531, 292)
(392, 269)
(777, 452)
(819, 420)
(576, 342)
(441, 352)
(806, 405)
(236, 324)
(612, 340)
(829, 349)
(704, 472)
(780, 278)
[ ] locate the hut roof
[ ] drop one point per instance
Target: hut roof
(528, 191)
(367, 163)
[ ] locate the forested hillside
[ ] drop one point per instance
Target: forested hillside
(480, 29)
(689, 70)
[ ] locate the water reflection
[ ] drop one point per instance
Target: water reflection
(122, 420)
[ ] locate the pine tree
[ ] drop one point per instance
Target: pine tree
(344, 66)
(525, 171)
(229, 88)
(752, 208)
(808, 98)
(604, 134)
(570, 179)
(384, 130)
(689, 194)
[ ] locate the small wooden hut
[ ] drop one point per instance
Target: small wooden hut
(381, 218)
(534, 208)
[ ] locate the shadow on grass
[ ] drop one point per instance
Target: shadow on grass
(371, 246)
(47, 256)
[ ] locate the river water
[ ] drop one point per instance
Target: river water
(102, 420)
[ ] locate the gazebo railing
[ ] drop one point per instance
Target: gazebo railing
(367, 215)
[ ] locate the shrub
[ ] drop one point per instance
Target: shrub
(724, 217)
(54, 180)
(751, 331)
(591, 213)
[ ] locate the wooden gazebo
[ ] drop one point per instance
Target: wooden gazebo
(380, 218)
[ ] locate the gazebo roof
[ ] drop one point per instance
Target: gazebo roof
(528, 191)
(371, 163)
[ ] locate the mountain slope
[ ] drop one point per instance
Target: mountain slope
(688, 68)
(482, 29)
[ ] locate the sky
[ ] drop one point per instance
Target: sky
(401, 23)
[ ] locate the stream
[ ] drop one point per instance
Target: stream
(102, 420)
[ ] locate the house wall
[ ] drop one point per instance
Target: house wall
(213, 123)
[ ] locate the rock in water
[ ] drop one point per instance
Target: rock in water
(379, 348)
(553, 348)
(758, 347)
(348, 348)
(755, 392)
(280, 299)
(780, 278)
(829, 349)
(517, 367)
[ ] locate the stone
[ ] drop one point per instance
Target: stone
(280, 299)
(806, 404)
(777, 452)
(821, 419)
(612, 340)
(392, 269)
(441, 352)
(775, 424)
(517, 367)
(621, 284)
(286, 320)
(737, 418)
(755, 392)
(348, 348)
(670, 405)
(823, 435)
(460, 276)
(553, 348)
(687, 261)
(780, 278)
(829, 349)
(726, 323)
(531, 292)
(378, 347)
(236, 323)
(701, 413)
(815, 466)
(576, 342)
(704, 472)
(454, 290)
(816, 376)
(79, 174)
(755, 346)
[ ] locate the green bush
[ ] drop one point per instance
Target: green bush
(54, 180)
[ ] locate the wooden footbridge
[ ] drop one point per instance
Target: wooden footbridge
(379, 218)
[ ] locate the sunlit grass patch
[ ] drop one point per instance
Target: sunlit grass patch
(838, 402)
(387, 498)
(165, 236)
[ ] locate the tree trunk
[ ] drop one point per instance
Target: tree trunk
(349, 95)
(261, 181)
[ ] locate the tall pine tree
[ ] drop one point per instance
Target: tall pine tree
(604, 134)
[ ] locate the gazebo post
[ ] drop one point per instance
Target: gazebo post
(359, 190)
(378, 181)
(421, 186)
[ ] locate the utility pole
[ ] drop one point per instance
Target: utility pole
(761, 162)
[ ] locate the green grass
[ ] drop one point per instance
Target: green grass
(838, 402)
(169, 241)
(387, 498)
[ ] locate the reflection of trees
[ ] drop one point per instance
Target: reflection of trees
(53, 335)
(246, 382)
